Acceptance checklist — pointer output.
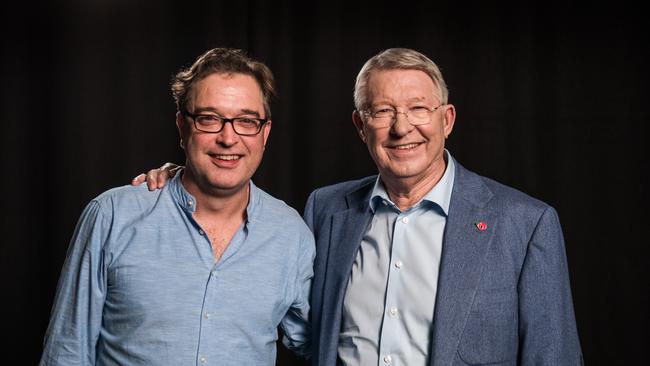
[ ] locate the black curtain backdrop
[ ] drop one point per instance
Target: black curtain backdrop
(551, 99)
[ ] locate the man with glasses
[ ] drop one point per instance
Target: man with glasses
(203, 271)
(428, 263)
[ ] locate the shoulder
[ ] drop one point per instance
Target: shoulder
(343, 189)
(127, 193)
(471, 185)
(325, 201)
(505, 200)
(127, 200)
(107, 214)
(511, 197)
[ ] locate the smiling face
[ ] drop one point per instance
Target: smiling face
(405, 154)
(223, 162)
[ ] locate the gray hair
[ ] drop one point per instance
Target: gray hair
(401, 59)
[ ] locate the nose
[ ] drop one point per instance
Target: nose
(401, 126)
(227, 136)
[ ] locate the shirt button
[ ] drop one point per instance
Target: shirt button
(398, 264)
(207, 315)
(203, 359)
(190, 202)
(393, 311)
(388, 360)
(201, 232)
(405, 220)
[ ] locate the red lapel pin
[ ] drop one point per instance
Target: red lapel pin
(481, 225)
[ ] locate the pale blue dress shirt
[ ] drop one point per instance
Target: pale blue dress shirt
(390, 298)
(140, 285)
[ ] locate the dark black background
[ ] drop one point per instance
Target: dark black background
(551, 99)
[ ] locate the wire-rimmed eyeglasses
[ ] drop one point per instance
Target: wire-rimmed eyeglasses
(384, 117)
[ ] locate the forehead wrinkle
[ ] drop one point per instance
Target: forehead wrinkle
(406, 99)
(396, 86)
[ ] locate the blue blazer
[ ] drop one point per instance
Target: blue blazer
(503, 297)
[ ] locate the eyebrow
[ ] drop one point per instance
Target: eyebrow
(199, 110)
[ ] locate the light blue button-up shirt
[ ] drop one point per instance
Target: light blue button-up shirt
(140, 285)
(390, 298)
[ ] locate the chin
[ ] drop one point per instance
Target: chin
(228, 185)
(404, 170)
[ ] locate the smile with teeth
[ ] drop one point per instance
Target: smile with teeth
(226, 157)
(406, 146)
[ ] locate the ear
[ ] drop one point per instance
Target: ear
(266, 130)
(359, 125)
(449, 116)
(182, 126)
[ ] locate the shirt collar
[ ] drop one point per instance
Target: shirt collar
(439, 195)
(188, 202)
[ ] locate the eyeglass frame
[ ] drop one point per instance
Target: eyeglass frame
(225, 120)
(430, 111)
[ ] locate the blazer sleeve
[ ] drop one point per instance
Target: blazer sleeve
(547, 327)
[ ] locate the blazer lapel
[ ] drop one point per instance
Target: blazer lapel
(465, 245)
(347, 232)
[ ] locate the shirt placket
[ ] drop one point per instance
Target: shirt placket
(207, 323)
(391, 325)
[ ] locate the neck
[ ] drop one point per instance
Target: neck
(405, 192)
(216, 203)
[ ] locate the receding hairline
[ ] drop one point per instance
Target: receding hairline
(436, 88)
(399, 59)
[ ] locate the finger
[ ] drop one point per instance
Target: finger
(139, 179)
(173, 171)
(161, 177)
(152, 179)
(167, 166)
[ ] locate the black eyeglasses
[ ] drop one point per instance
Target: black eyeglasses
(212, 123)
